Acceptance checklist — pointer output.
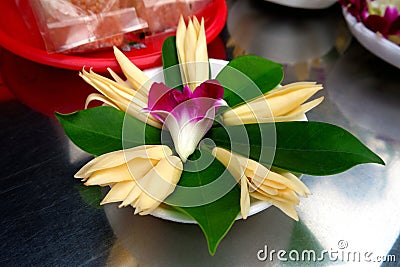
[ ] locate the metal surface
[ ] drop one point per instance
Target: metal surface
(50, 219)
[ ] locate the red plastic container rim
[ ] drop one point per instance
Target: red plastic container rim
(101, 63)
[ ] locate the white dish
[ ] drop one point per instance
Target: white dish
(378, 45)
(306, 4)
(168, 213)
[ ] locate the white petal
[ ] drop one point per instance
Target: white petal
(189, 137)
(186, 132)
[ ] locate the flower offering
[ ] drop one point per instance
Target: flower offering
(207, 144)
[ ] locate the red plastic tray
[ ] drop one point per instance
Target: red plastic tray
(21, 36)
(38, 86)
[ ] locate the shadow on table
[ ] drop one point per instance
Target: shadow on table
(155, 242)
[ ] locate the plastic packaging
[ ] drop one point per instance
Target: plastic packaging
(74, 26)
(163, 15)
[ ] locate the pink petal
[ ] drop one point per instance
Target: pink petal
(160, 98)
(210, 89)
(164, 100)
(187, 115)
(364, 15)
(355, 7)
(376, 24)
(394, 28)
(391, 13)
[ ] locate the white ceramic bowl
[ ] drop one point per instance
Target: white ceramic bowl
(378, 45)
(306, 4)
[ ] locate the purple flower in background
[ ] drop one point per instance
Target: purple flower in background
(187, 115)
(357, 8)
(380, 16)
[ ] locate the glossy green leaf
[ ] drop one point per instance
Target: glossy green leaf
(220, 201)
(248, 77)
(313, 148)
(105, 129)
(171, 71)
(91, 195)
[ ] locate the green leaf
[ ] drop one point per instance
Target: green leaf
(302, 239)
(172, 74)
(105, 129)
(247, 77)
(91, 195)
(217, 193)
(313, 148)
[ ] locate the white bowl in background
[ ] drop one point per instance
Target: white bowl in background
(306, 4)
(378, 45)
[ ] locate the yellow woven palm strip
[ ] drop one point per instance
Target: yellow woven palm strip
(116, 77)
(201, 56)
(120, 157)
(133, 106)
(132, 196)
(180, 47)
(294, 179)
(279, 103)
(103, 88)
(118, 192)
(264, 188)
(101, 98)
(196, 26)
(169, 170)
(112, 175)
(115, 98)
(287, 208)
(231, 162)
(250, 118)
(284, 195)
(190, 54)
(261, 174)
(137, 78)
(279, 90)
(122, 90)
(275, 177)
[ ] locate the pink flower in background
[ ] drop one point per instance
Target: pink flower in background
(355, 7)
(380, 16)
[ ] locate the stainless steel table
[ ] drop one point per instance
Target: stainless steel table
(50, 219)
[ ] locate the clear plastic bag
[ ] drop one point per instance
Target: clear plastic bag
(73, 26)
(163, 15)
